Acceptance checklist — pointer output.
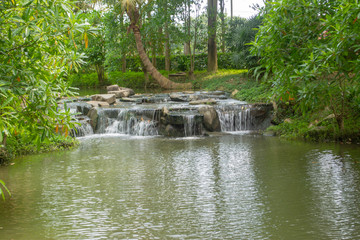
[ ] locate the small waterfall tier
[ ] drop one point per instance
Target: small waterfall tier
(182, 114)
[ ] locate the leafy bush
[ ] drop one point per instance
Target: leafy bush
(128, 79)
(178, 63)
(84, 80)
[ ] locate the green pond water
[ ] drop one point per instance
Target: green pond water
(219, 187)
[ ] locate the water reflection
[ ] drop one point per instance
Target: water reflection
(226, 187)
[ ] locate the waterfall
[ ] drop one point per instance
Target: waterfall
(181, 114)
(234, 118)
(132, 122)
(83, 129)
(191, 127)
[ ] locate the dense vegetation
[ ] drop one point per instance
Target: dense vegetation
(309, 52)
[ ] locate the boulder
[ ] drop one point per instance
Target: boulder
(98, 104)
(211, 118)
(120, 93)
(203, 101)
(113, 88)
(109, 98)
(177, 97)
(93, 115)
(131, 91)
(234, 93)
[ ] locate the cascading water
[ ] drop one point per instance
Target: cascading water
(191, 126)
(234, 118)
(175, 116)
(137, 122)
(83, 129)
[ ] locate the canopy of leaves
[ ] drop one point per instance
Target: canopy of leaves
(37, 50)
(312, 49)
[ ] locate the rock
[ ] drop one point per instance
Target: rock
(211, 118)
(131, 91)
(165, 111)
(109, 98)
(113, 88)
(98, 104)
(120, 93)
(203, 101)
(287, 120)
(195, 97)
(135, 100)
(178, 97)
(173, 131)
(83, 108)
(93, 115)
(234, 93)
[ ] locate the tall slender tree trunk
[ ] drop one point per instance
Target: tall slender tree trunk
(167, 48)
(123, 64)
(167, 39)
(134, 15)
(222, 17)
(100, 73)
(231, 9)
(212, 51)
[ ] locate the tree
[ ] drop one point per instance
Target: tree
(242, 32)
(94, 40)
(212, 24)
(132, 9)
(37, 50)
(312, 50)
(222, 18)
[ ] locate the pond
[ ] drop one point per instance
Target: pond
(225, 186)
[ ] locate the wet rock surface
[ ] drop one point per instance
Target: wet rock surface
(179, 114)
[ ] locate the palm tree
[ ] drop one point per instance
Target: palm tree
(131, 7)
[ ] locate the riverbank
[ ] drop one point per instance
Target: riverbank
(18, 146)
(319, 124)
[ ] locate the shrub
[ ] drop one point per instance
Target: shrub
(84, 80)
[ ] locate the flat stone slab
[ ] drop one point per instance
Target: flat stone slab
(109, 98)
(98, 104)
(135, 100)
(120, 93)
(203, 101)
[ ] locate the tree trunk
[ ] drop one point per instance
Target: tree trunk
(222, 17)
(123, 65)
(212, 51)
(163, 81)
(133, 14)
(100, 73)
(231, 9)
(167, 41)
(167, 48)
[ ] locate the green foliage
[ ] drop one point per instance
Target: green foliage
(127, 79)
(84, 80)
(241, 33)
(251, 91)
(311, 49)
(227, 80)
(178, 62)
(37, 50)
(3, 189)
